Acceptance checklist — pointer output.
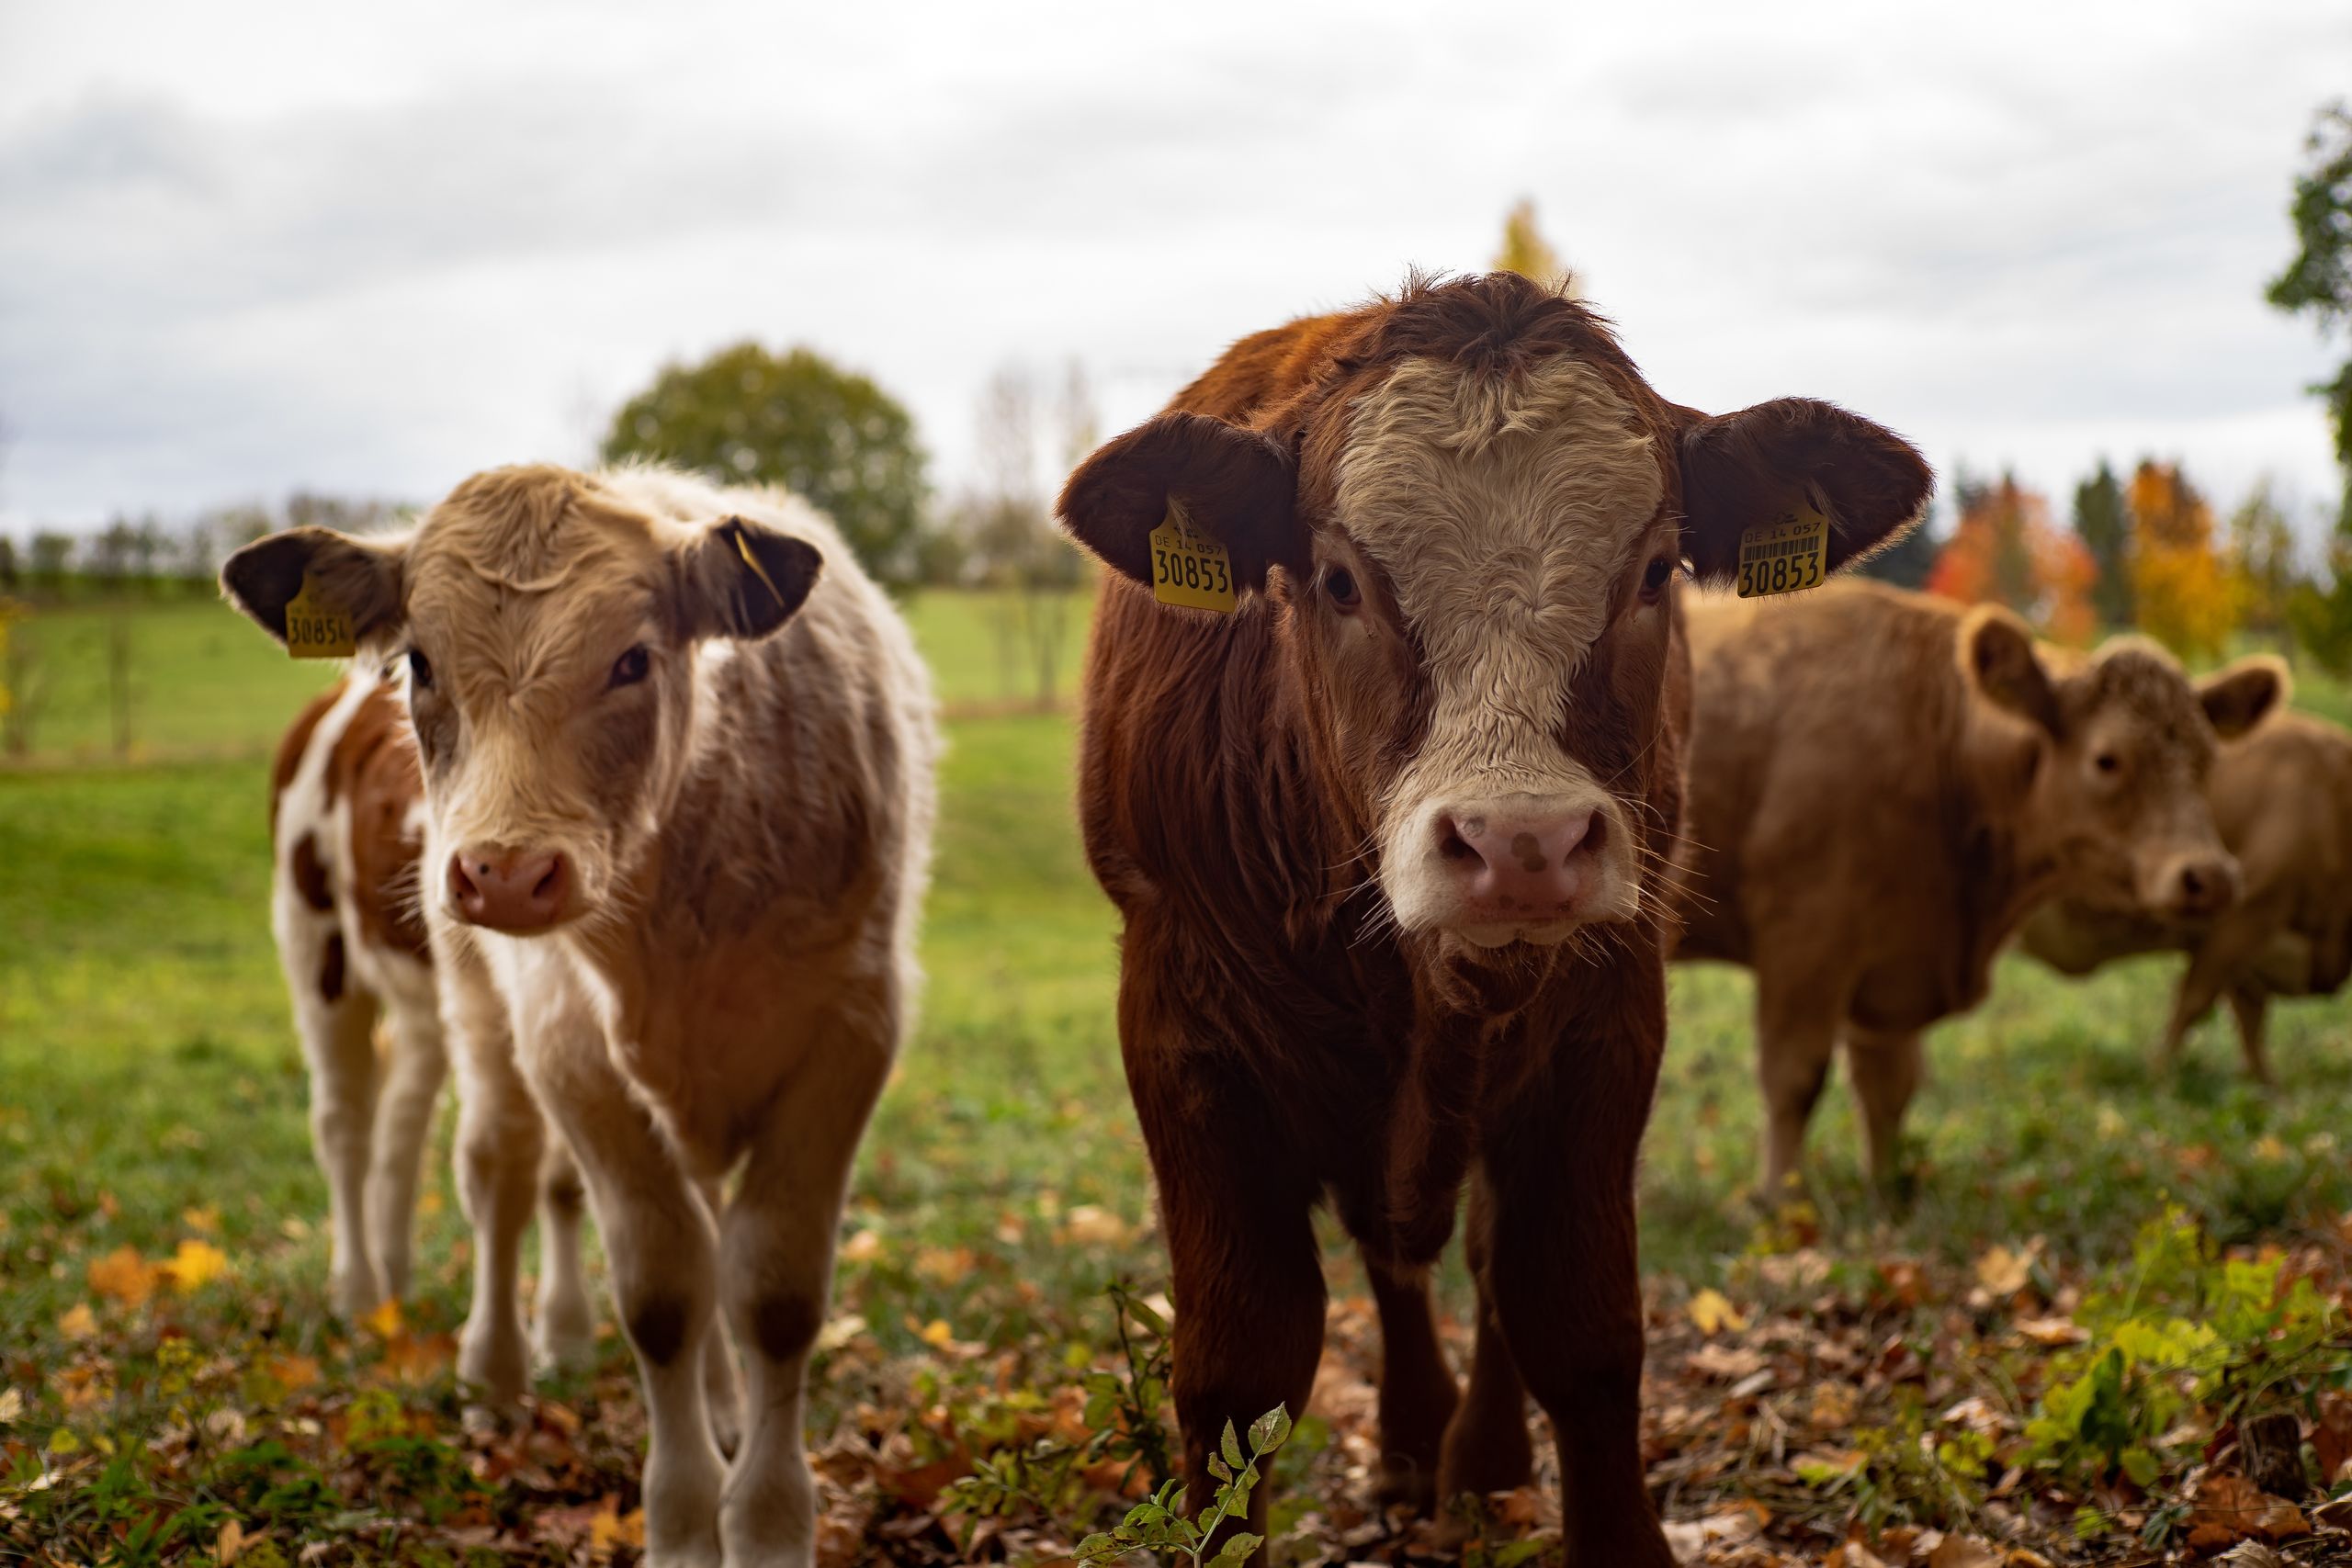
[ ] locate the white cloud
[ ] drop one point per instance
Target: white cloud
(243, 248)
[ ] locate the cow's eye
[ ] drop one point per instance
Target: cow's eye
(1341, 584)
(420, 670)
(1654, 577)
(2108, 762)
(631, 667)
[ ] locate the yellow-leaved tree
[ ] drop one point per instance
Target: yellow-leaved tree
(1526, 252)
(2188, 597)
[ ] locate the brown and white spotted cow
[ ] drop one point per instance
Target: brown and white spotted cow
(347, 829)
(1884, 785)
(677, 756)
(2282, 798)
(1387, 841)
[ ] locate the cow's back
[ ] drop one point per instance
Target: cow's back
(345, 789)
(1823, 750)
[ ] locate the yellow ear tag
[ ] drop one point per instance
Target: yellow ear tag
(1787, 555)
(1188, 567)
(316, 629)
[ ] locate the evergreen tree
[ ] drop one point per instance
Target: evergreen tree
(2104, 525)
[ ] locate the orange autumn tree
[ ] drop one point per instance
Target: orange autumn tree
(2005, 549)
(2189, 598)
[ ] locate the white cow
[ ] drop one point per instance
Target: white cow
(677, 759)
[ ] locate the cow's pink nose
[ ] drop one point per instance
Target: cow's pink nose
(509, 890)
(1515, 867)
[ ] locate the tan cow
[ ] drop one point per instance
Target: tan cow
(678, 791)
(2282, 798)
(1882, 786)
(347, 828)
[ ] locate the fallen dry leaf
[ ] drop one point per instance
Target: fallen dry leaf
(78, 1322)
(2229, 1508)
(123, 1276)
(1965, 1552)
(2002, 1271)
(1089, 1225)
(1712, 1312)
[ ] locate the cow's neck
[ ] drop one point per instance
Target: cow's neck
(2011, 855)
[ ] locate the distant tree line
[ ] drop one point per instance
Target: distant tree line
(147, 557)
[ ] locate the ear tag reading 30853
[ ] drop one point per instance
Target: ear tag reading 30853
(1786, 555)
(315, 629)
(1188, 567)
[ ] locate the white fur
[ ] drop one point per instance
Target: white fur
(1504, 511)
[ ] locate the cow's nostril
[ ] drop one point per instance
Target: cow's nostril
(1453, 846)
(546, 887)
(2192, 885)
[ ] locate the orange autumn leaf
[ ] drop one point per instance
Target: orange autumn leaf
(78, 1322)
(386, 1322)
(123, 1276)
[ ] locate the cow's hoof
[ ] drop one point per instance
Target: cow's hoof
(356, 1293)
(494, 1365)
(1406, 1482)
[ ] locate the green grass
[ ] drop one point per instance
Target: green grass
(148, 1068)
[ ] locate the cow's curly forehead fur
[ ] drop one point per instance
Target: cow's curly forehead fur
(2135, 677)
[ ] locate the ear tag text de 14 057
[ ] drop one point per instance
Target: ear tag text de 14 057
(1786, 555)
(1189, 567)
(315, 629)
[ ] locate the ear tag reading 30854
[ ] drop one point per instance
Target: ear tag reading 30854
(315, 629)
(1786, 555)
(1188, 567)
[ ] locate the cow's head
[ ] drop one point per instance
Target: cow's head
(547, 629)
(1470, 523)
(2118, 748)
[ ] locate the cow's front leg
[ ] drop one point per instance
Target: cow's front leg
(1885, 1069)
(1797, 1020)
(1418, 1395)
(563, 1323)
(1486, 1448)
(404, 1108)
(776, 1272)
(499, 1137)
(660, 1244)
(1235, 1204)
(1565, 1286)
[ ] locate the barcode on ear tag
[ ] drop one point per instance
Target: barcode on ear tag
(315, 629)
(1188, 567)
(1785, 556)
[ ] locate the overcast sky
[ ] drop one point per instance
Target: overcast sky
(246, 248)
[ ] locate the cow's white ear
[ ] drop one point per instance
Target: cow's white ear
(1998, 657)
(361, 578)
(2244, 694)
(1743, 469)
(743, 579)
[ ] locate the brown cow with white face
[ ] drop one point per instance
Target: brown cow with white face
(2282, 798)
(1387, 839)
(1884, 785)
(677, 757)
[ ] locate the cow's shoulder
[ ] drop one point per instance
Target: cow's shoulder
(295, 744)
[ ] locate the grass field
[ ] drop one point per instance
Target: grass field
(151, 1098)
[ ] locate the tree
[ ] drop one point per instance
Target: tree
(2005, 550)
(1527, 253)
(2262, 560)
(745, 416)
(2318, 284)
(50, 556)
(1010, 541)
(2104, 525)
(9, 579)
(1908, 563)
(2187, 598)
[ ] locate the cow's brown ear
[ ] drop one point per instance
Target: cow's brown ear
(1996, 655)
(2244, 694)
(1740, 470)
(360, 577)
(743, 579)
(1235, 483)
